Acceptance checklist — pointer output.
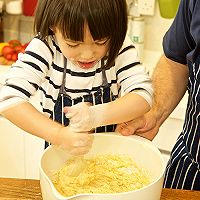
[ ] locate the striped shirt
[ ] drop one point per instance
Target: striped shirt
(40, 68)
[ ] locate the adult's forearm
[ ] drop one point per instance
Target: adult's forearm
(169, 83)
(28, 118)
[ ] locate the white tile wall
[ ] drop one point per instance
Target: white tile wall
(155, 28)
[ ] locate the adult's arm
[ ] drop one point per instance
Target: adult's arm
(170, 80)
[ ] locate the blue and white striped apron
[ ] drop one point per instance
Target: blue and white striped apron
(102, 95)
(183, 169)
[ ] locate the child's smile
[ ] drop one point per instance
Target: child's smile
(86, 65)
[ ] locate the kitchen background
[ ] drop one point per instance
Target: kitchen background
(148, 21)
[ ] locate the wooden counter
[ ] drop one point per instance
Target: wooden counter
(20, 189)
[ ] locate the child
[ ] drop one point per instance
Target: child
(80, 54)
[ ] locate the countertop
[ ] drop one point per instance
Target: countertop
(14, 189)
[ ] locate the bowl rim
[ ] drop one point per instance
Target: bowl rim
(107, 134)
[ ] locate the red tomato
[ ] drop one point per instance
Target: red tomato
(19, 49)
(8, 56)
(14, 43)
(7, 50)
(14, 57)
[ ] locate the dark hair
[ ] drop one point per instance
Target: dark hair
(105, 18)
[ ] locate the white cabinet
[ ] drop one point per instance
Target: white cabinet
(11, 150)
(20, 152)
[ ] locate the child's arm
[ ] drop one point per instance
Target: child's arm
(28, 118)
(84, 117)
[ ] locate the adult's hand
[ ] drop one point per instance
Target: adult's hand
(146, 126)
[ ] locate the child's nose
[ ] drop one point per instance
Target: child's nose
(87, 54)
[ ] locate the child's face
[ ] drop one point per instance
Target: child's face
(83, 54)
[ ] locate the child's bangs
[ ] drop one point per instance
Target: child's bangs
(99, 25)
(72, 27)
(74, 20)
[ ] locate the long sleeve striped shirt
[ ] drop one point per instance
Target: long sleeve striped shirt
(40, 68)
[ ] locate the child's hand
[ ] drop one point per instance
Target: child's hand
(73, 142)
(81, 116)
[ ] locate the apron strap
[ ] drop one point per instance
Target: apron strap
(104, 78)
(62, 88)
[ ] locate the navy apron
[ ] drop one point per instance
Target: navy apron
(102, 95)
(183, 168)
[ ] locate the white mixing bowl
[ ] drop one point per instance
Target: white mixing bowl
(144, 153)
